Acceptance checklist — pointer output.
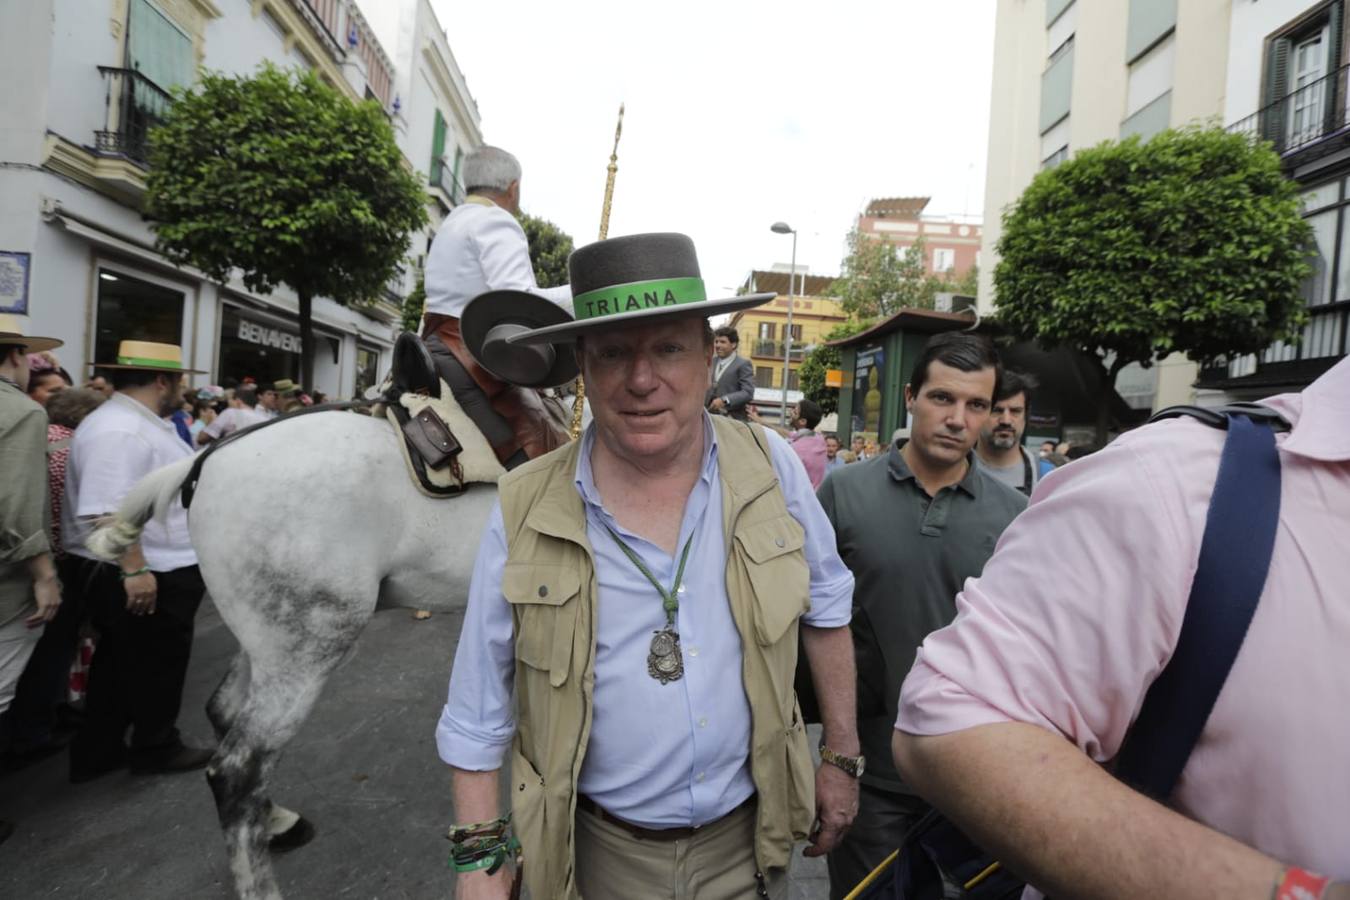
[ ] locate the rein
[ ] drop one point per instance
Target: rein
(189, 487)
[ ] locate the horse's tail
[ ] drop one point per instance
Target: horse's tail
(150, 497)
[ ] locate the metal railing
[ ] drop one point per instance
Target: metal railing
(775, 349)
(1313, 112)
(135, 104)
(443, 177)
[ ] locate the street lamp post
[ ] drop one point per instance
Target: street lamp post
(785, 228)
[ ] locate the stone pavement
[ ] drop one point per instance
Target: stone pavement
(364, 768)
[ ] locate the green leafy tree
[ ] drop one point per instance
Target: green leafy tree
(549, 248)
(821, 359)
(413, 305)
(283, 178)
(879, 279)
(1191, 242)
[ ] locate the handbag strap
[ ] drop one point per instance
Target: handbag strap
(1234, 561)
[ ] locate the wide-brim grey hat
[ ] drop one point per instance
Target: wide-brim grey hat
(631, 280)
(491, 319)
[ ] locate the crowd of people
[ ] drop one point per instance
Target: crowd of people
(974, 625)
(69, 455)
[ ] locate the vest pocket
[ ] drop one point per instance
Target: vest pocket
(527, 814)
(776, 564)
(543, 599)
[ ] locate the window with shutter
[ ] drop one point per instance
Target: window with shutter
(437, 147)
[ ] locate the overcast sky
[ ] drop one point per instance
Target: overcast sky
(739, 114)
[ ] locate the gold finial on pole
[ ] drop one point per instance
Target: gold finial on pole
(609, 182)
(579, 404)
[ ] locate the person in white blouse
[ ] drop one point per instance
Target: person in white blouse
(481, 248)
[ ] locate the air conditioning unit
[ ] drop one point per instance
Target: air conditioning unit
(953, 303)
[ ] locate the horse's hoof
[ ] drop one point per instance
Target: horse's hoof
(298, 835)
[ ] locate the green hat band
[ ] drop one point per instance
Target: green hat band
(149, 363)
(637, 296)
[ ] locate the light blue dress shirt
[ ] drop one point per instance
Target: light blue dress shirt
(659, 756)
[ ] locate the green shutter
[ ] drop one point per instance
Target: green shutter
(161, 52)
(437, 147)
(1275, 89)
(459, 156)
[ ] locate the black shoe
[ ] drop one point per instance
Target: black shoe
(7, 829)
(298, 835)
(178, 759)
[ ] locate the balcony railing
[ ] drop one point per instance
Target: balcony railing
(774, 349)
(443, 177)
(135, 104)
(1313, 112)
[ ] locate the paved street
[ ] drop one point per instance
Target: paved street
(364, 769)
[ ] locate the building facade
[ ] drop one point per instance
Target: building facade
(76, 256)
(763, 330)
(951, 244)
(1070, 74)
(1286, 84)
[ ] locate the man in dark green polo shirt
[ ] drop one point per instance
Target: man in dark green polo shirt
(913, 524)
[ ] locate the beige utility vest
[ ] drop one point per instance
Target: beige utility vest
(550, 583)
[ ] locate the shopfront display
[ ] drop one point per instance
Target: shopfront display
(135, 309)
(265, 348)
(868, 374)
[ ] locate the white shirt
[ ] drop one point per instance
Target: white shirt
(235, 418)
(721, 365)
(479, 248)
(116, 446)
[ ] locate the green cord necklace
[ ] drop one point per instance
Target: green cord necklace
(665, 661)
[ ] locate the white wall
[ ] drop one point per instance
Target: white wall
(238, 41)
(1251, 22)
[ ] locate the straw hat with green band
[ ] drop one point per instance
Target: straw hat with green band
(631, 280)
(11, 335)
(148, 356)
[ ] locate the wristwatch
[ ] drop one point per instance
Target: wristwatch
(853, 765)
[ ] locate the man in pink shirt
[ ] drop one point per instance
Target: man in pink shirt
(809, 446)
(1008, 711)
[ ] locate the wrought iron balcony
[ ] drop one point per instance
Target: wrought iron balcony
(1309, 116)
(135, 104)
(443, 177)
(774, 349)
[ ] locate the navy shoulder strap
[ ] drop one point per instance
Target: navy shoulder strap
(1234, 560)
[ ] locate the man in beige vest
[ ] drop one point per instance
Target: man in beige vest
(632, 629)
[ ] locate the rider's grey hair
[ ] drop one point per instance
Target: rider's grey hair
(490, 169)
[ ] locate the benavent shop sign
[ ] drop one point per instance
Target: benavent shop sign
(255, 333)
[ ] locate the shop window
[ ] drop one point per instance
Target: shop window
(130, 309)
(367, 368)
(258, 349)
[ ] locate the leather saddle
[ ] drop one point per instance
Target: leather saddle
(428, 439)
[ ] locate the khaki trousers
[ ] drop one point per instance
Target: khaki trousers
(717, 863)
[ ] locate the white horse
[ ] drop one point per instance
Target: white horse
(302, 530)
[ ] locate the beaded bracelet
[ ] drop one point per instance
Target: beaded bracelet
(125, 575)
(482, 845)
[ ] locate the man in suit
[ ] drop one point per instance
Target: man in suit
(733, 378)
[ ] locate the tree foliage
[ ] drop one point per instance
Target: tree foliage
(821, 359)
(879, 280)
(413, 306)
(1191, 241)
(549, 248)
(283, 178)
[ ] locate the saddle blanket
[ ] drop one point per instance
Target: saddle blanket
(476, 460)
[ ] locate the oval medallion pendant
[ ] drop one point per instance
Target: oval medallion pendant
(665, 662)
